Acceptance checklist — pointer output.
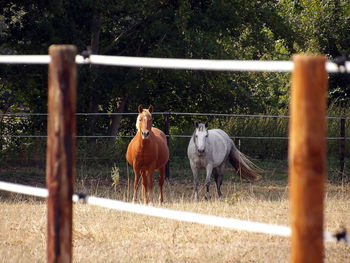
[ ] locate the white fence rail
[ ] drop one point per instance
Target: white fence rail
(230, 223)
(176, 63)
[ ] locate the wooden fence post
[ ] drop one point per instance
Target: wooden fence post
(307, 157)
(60, 158)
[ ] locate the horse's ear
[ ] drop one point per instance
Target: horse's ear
(140, 109)
(150, 108)
(196, 124)
(206, 125)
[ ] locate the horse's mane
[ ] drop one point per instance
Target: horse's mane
(201, 127)
(144, 112)
(194, 132)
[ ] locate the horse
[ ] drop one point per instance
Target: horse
(147, 151)
(210, 149)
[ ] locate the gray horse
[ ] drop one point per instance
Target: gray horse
(210, 149)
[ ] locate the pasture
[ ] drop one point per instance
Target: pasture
(103, 235)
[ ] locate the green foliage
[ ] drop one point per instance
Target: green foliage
(190, 29)
(259, 30)
(322, 27)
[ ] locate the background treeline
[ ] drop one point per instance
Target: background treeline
(215, 29)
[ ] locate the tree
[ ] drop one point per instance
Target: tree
(182, 29)
(322, 27)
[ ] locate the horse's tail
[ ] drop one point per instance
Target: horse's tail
(245, 168)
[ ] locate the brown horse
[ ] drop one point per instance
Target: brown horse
(148, 151)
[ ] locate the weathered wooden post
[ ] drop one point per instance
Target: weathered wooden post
(60, 159)
(307, 157)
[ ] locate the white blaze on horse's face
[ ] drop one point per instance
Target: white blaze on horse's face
(144, 121)
(200, 138)
(145, 124)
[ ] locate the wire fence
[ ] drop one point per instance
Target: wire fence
(269, 143)
(167, 113)
(22, 115)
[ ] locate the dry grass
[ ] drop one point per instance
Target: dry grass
(102, 235)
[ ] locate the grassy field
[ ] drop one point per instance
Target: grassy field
(103, 235)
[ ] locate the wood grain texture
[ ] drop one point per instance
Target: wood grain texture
(61, 151)
(307, 157)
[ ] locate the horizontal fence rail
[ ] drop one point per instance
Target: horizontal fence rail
(25, 114)
(230, 223)
(169, 136)
(176, 63)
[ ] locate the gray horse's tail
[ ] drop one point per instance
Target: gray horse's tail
(244, 167)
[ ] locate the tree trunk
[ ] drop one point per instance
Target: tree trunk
(115, 122)
(95, 33)
(95, 42)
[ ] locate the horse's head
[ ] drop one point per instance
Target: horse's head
(200, 136)
(144, 121)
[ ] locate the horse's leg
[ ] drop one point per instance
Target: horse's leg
(218, 175)
(136, 184)
(144, 187)
(195, 177)
(209, 170)
(161, 182)
(149, 190)
(147, 186)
